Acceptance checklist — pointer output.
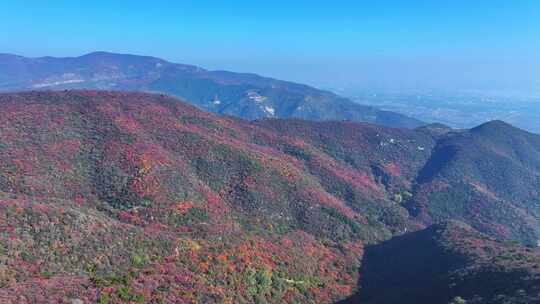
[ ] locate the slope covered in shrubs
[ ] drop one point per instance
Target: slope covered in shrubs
(489, 177)
(130, 192)
(139, 197)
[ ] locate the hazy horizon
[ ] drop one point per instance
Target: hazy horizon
(485, 46)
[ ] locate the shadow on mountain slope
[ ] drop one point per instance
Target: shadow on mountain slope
(445, 263)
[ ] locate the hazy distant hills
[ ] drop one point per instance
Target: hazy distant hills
(459, 109)
(135, 197)
(244, 95)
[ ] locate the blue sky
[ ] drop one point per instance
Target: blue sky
(369, 44)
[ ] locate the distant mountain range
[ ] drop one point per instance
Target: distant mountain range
(248, 96)
(115, 197)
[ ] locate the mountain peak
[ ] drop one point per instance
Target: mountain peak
(99, 53)
(495, 127)
(497, 123)
(111, 55)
